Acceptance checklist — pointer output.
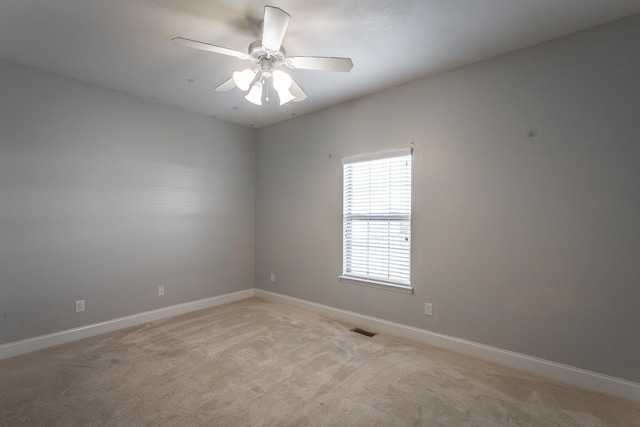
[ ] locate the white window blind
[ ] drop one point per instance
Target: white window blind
(377, 218)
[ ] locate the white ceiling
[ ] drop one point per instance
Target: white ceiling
(126, 44)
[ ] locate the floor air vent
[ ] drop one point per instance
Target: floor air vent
(363, 332)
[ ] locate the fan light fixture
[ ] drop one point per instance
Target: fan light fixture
(243, 78)
(246, 81)
(268, 55)
(281, 83)
(255, 94)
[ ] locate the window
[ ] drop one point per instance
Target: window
(377, 220)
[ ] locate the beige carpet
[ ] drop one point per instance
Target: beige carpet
(254, 363)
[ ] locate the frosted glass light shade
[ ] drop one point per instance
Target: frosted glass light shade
(285, 96)
(281, 80)
(255, 94)
(243, 78)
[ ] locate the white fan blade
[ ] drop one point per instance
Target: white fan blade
(320, 63)
(209, 47)
(226, 86)
(297, 92)
(275, 25)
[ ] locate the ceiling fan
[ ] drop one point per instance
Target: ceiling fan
(268, 56)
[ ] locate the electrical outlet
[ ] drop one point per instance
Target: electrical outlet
(160, 290)
(79, 306)
(272, 278)
(428, 309)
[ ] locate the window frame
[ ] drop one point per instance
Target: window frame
(371, 280)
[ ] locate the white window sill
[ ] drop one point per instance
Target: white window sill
(361, 281)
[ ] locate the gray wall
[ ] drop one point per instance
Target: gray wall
(526, 244)
(104, 197)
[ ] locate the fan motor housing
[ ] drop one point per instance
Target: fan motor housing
(259, 55)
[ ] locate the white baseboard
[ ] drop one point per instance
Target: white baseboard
(556, 371)
(38, 343)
